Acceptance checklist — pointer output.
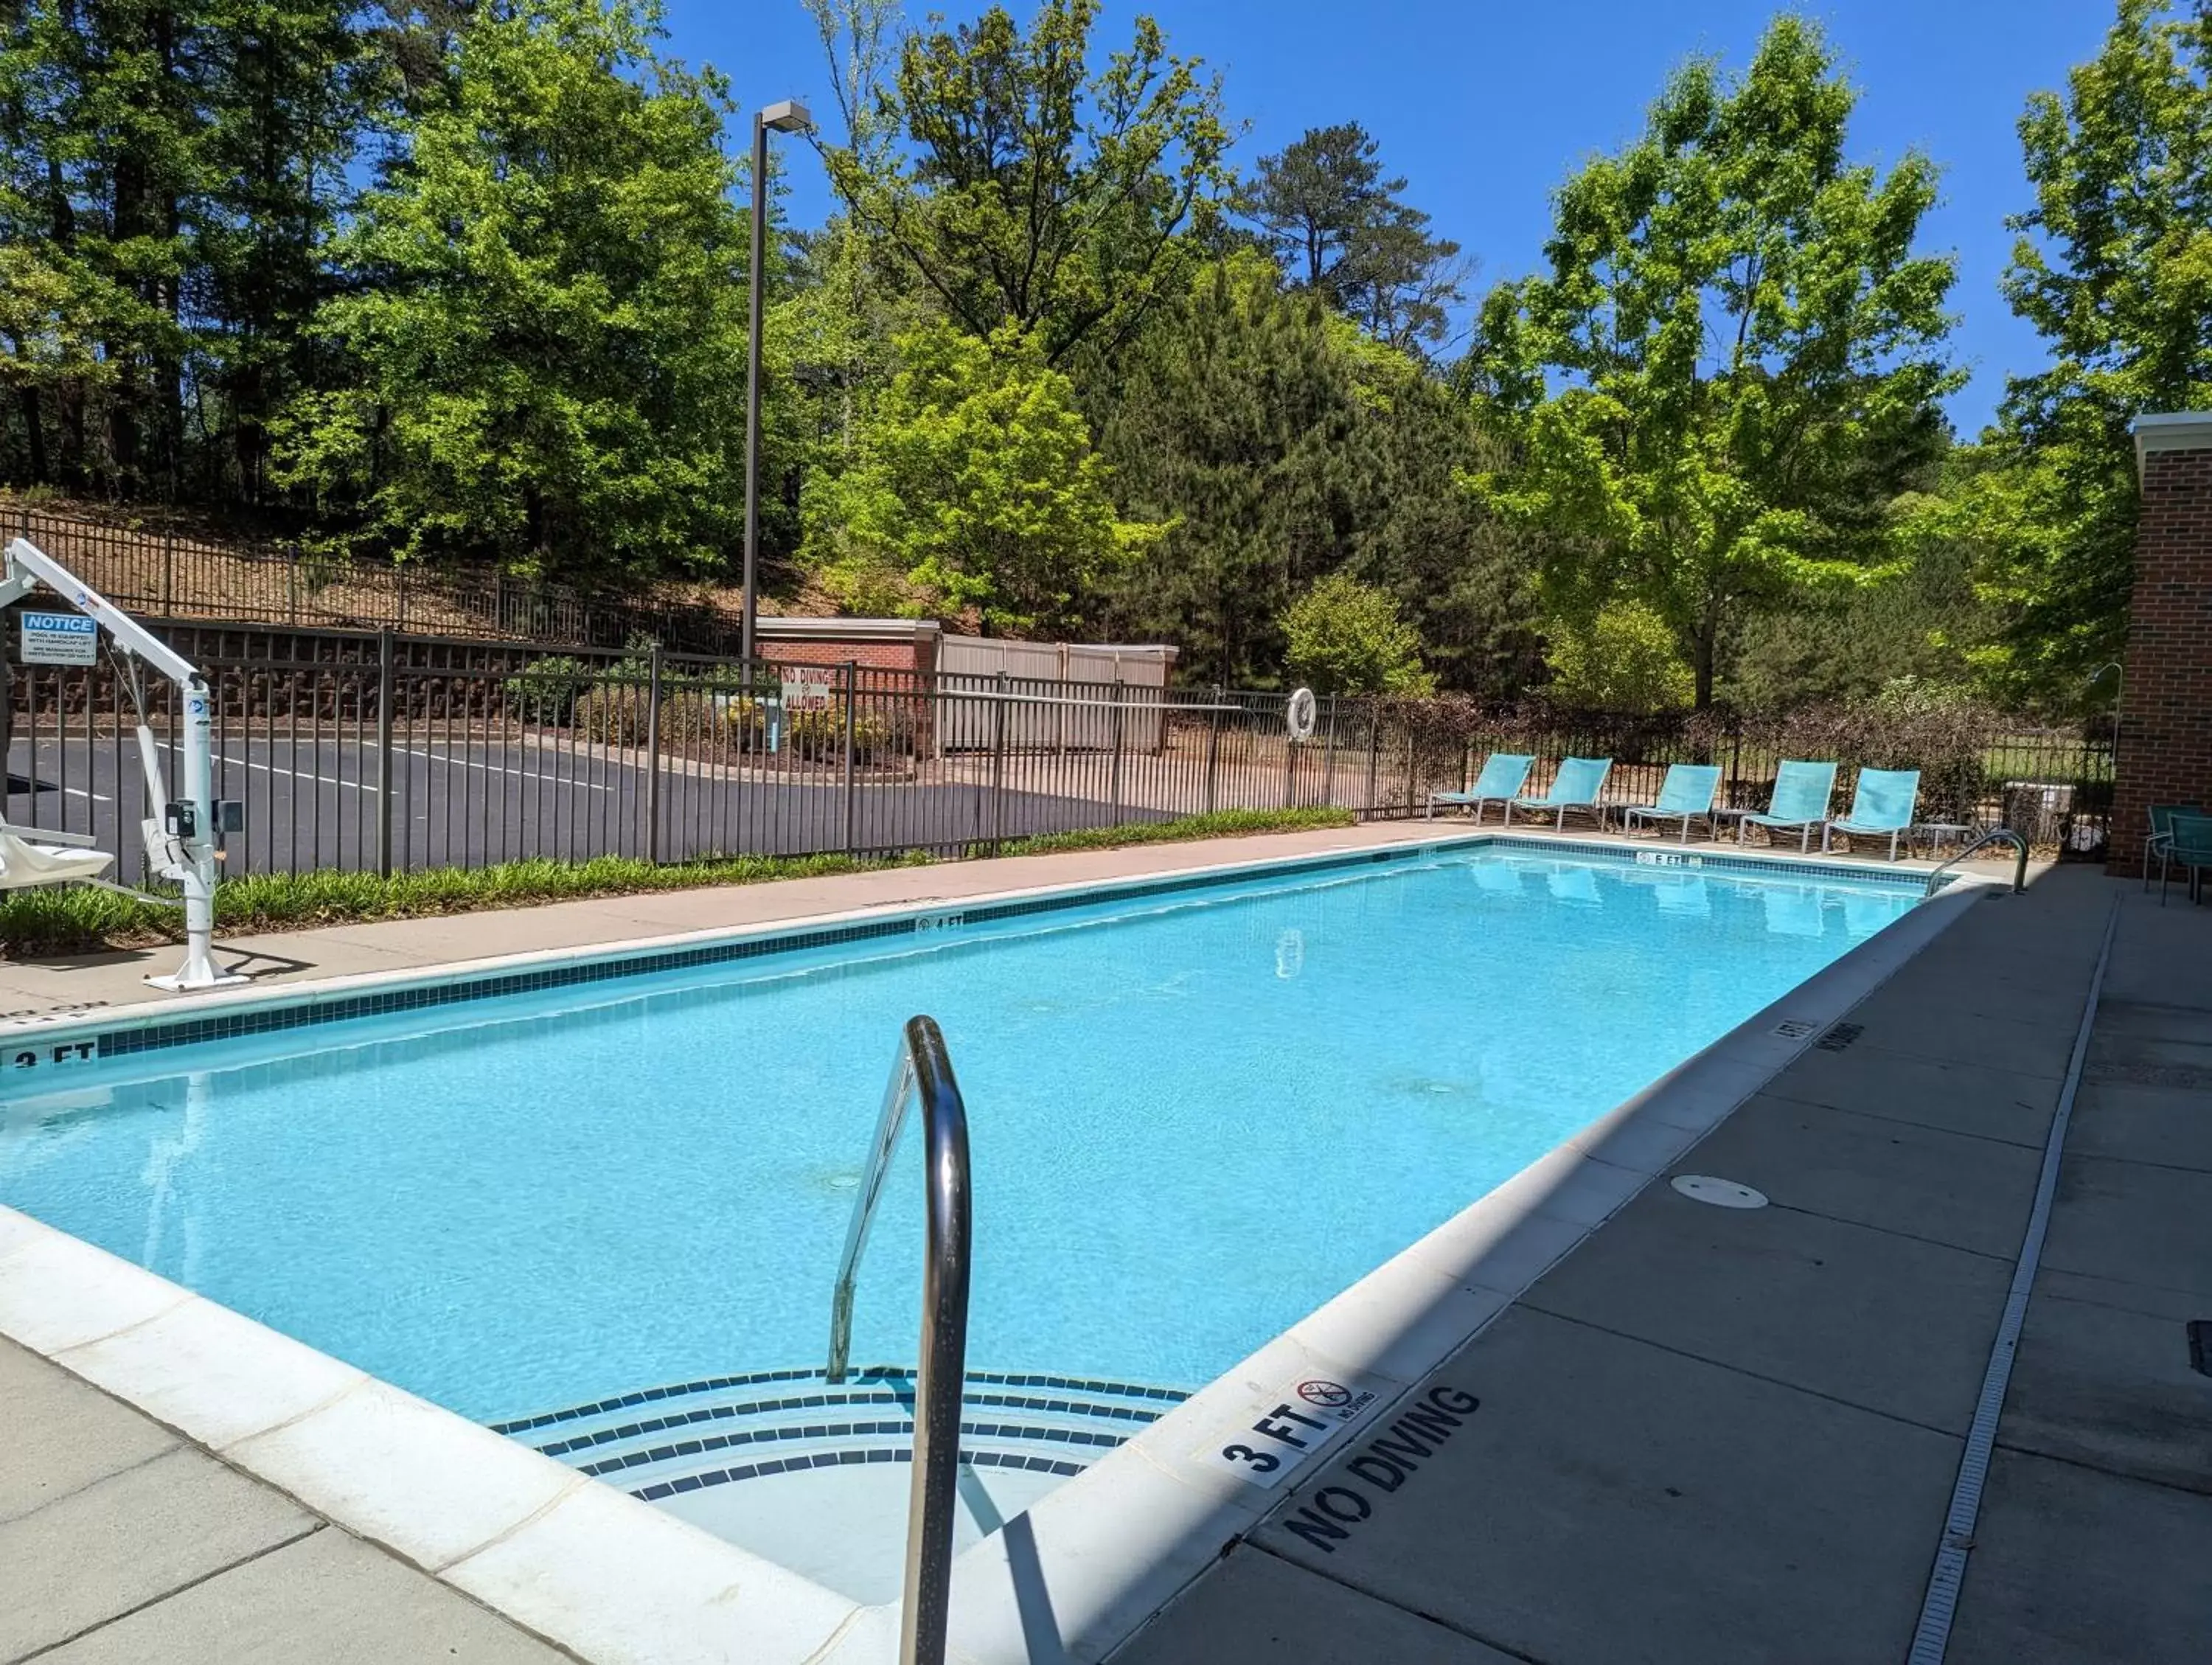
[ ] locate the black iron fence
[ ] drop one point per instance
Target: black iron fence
(387, 752)
(164, 573)
(1979, 768)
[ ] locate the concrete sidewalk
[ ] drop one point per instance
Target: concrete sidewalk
(1714, 1435)
(123, 1544)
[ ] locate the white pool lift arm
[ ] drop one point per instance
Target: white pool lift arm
(180, 834)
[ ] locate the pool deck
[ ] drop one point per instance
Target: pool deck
(1705, 1435)
(1712, 1435)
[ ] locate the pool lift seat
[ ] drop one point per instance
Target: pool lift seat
(180, 834)
(32, 856)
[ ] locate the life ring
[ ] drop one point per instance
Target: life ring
(1298, 715)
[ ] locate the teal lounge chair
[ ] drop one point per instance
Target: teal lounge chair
(2188, 846)
(1687, 792)
(1883, 802)
(1802, 792)
(2161, 841)
(1504, 775)
(1576, 786)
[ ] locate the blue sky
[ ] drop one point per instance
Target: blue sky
(1485, 104)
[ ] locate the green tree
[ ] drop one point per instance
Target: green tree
(170, 175)
(1345, 637)
(291, 86)
(1732, 369)
(1035, 193)
(544, 313)
(1281, 443)
(975, 492)
(1626, 658)
(2114, 267)
(1337, 226)
(102, 177)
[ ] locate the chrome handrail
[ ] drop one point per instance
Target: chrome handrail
(922, 1064)
(1994, 836)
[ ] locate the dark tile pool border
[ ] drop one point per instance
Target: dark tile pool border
(156, 1034)
(843, 1458)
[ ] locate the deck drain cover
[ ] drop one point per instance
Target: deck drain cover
(1721, 1193)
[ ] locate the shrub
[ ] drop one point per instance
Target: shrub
(545, 691)
(1345, 637)
(1946, 736)
(881, 730)
(1627, 659)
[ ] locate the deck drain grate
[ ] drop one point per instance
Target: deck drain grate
(1841, 1036)
(2200, 1346)
(1795, 1028)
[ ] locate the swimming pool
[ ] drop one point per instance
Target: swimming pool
(1196, 1113)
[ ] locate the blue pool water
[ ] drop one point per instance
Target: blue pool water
(1194, 1117)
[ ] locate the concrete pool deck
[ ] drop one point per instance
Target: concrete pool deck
(1710, 1434)
(1694, 1442)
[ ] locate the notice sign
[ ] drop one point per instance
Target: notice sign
(60, 638)
(803, 694)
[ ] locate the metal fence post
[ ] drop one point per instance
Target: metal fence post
(1212, 746)
(1118, 696)
(1290, 761)
(168, 568)
(383, 753)
(1374, 753)
(1329, 755)
(998, 764)
(402, 572)
(852, 691)
(292, 583)
(652, 756)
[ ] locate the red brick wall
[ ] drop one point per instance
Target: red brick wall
(870, 654)
(2166, 714)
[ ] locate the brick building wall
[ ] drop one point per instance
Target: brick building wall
(872, 644)
(2165, 710)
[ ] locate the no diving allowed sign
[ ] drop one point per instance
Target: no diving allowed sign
(60, 638)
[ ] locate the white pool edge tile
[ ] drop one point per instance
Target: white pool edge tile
(308, 1446)
(1112, 1546)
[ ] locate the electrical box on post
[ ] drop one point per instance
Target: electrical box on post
(181, 821)
(229, 815)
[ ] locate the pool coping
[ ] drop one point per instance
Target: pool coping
(613, 1578)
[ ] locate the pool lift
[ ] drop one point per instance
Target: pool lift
(180, 834)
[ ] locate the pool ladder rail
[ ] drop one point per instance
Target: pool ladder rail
(1995, 835)
(922, 1069)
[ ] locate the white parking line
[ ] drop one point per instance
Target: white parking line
(534, 778)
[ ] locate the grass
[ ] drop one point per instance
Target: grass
(81, 918)
(1222, 824)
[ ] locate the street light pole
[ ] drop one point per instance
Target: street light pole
(788, 116)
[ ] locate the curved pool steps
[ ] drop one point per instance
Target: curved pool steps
(661, 1441)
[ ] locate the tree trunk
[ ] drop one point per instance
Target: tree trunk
(1705, 650)
(34, 432)
(68, 392)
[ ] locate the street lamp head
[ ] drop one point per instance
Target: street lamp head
(787, 116)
